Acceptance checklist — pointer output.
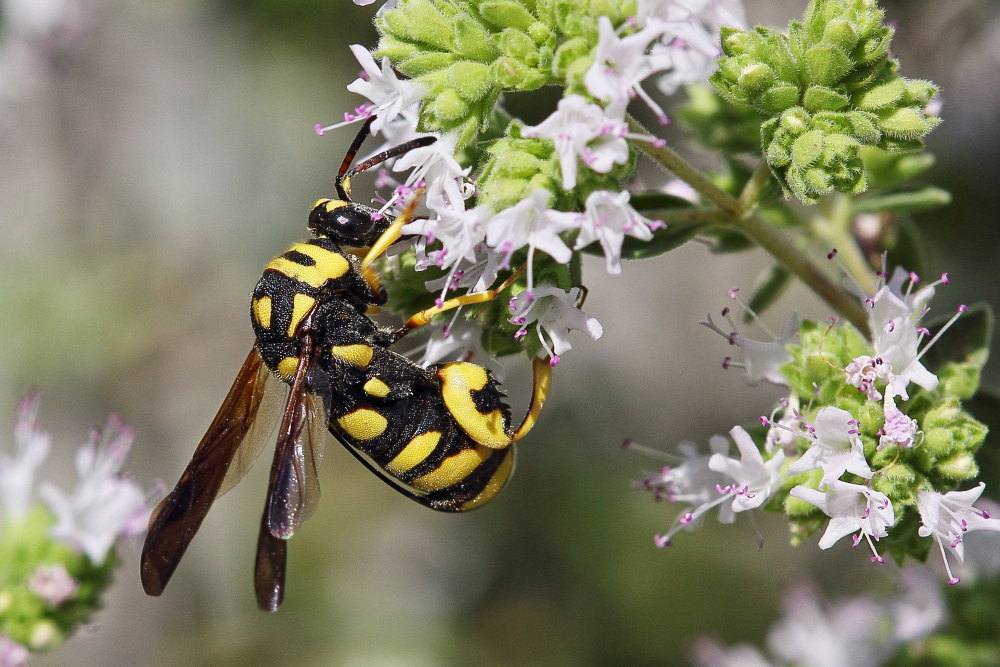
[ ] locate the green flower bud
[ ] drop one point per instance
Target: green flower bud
(471, 81)
(472, 40)
(827, 64)
(958, 468)
(506, 14)
(821, 98)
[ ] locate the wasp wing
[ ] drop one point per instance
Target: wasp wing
(177, 518)
(293, 491)
(269, 567)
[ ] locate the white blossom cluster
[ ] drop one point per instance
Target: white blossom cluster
(895, 312)
(674, 39)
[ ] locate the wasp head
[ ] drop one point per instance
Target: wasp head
(346, 222)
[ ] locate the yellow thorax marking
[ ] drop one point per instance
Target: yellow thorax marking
(458, 381)
(357, 355)
(330, 205)
(453, 469)
(363, 423)
(262, 311)
(301, 304)
(414, 453)
(328, 265)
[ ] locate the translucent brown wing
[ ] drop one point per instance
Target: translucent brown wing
(176, 519)
(293, 490)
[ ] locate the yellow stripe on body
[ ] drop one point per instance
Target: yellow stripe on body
(453, 469)
(458, 381)
(497, 481)
(287, 367)
(301, 304)
(414, 453)
(359, 355)
(328, 265)
(262, 311)
(363, 423)
(377, 388)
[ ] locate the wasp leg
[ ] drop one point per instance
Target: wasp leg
(392, 234)
(541, 381)
(425, 315)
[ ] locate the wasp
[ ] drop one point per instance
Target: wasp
(441, 435)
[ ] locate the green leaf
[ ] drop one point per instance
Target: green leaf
(657, 201)
(766, 291)
(921, 198)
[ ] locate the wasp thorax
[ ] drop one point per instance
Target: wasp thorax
(347, 222)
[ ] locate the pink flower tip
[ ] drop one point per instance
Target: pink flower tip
(953, 581)
(659, 142)
(963, 308)
(661, 540)
(764, 421)
(319, 129)
(554, 360)
(731, 292)
(878, 559)
(944, 278)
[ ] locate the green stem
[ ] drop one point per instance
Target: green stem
(834, 226)
(739, 215)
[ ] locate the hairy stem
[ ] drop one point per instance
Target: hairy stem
(740, 216)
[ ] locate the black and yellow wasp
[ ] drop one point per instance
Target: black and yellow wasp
(440, 435)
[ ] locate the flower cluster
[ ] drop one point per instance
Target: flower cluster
(58, 556)
(829, 87)
(867, 439)
(532, 195)
(851, 631)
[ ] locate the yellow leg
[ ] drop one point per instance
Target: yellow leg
(392, 234)
(425, 315)
(541, 372)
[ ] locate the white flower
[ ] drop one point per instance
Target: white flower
(864, 371)
(691, 36)
(53, 584)
(436, 166)
(851, 507)
(948, 516)
(846, 633)
(760, 360)
(104, 504)
(621, 63)
(836, 447)
(582, 130)
(17, 473)
(607, 218)
(693, 484)
(898, 429)
(388, 93)
(709, 653)
(893, 318)
(532, 223)
(461, 232)
(460, 340)
(556, 313)
(13, 654)
(754, 480)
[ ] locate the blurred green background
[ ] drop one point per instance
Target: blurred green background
(153, 156)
